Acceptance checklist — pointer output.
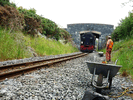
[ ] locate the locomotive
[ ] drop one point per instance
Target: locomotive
(87, 40)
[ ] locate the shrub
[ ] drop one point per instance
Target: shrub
(32, 20)
(124, 29)
(11, 18)
(35, 22)
(6, 2)
(50, 29)
(65, 35)
(29, 22)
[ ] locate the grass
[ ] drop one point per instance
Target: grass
(102, 50)
(15, 46)
(44, 46)
(123, 51)
(12, 46)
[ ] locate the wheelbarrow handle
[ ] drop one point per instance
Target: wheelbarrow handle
(116, 61)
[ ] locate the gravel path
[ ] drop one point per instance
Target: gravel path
(65, 81)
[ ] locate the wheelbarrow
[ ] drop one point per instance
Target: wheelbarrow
(107, 71)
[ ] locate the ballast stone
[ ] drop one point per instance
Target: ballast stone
(67, 88)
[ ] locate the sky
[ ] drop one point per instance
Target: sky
(64, 12)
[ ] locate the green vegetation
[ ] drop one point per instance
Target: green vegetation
(123, 51)
(15, 46)
(27, 21)
(125, 28)
(123, 45)
(44, 46)
(102, 50)
(45, 26)
(12, 46)
(10, 18)
(6, 2)
(18, 34)
(32, 21)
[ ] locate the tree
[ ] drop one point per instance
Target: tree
(125, 3)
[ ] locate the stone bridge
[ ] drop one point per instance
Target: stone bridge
(105, 30)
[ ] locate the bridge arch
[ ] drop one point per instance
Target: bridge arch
(105, 30)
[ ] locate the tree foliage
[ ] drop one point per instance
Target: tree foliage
(124, 29)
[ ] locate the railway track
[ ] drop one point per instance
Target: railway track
(14, 70)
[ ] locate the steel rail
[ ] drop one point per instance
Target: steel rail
(13, 66)
(15, 70)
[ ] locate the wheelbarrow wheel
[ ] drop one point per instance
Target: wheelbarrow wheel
(99, 82)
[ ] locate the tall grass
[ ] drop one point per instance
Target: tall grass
(44, 46)
(123, 51)
(15, 46)
(11, 46)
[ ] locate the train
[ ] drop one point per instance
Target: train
(87, 40)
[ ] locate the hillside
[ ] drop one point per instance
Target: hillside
(25, 34)
(123, 45)
(17, 45)
(123, 51)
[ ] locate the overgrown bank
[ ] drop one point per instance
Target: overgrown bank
(16, 45)
(19, 28)
(123, 45)
(123, 51)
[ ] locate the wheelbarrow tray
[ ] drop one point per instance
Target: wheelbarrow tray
(103, 68)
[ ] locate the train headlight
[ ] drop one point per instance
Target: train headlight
(81, 42)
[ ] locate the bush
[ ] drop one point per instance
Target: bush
(35, 22)
(29, 22)
(6, 2)
(50, 29)
(32, 20)
(11, 18)
(124, 29)
(65, 35)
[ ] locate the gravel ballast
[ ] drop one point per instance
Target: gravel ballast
(66, 81)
